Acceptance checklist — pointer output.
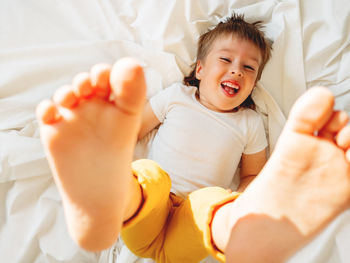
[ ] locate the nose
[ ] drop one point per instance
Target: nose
(236, 71)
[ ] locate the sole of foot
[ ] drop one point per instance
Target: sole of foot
(304, 185)
(89, 130)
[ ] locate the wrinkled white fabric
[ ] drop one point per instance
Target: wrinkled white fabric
(43, 44)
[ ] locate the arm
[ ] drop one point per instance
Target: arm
(149, 121)
(251, 165)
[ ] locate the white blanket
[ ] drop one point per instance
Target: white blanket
(43, 44)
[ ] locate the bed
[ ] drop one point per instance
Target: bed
(43, 44)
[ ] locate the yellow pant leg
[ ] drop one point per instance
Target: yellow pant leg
(144, 233)
(168, 228)
(188, 236)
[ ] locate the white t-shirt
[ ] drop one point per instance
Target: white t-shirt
(199, 147)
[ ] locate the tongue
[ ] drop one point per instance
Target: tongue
(229, 90)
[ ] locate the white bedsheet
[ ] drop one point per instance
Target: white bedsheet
(43, 44)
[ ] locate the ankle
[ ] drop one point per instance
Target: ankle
(261, 238)
(135, 201)
(220, 224)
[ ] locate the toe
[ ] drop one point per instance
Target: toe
(347, 155)
(337, 121)
(311, 111)
(65, 97)
(81, 85)
(343, 138)
(47, 113)
(128, 85)
(100, 80)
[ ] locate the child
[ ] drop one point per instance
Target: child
(208, 127)
(90, 141)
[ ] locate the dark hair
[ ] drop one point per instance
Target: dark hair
(234, 25)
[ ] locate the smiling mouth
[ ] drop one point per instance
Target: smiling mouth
(229, 88)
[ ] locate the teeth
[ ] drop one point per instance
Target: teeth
(230, 85)
(230, 88)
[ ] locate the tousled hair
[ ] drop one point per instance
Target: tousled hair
(234, 25)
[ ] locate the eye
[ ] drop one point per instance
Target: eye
(225, 59)
(249, 67)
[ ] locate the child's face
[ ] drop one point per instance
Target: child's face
(228, 73)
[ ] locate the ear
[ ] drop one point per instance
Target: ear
(199, 70)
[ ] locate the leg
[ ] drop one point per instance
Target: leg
(144, 233)
(89, 141)
(304, 185)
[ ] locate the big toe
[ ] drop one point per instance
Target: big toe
(128, 85)
(311, 111)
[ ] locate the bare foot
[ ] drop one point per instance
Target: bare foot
(89, 140)
(304, 185)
